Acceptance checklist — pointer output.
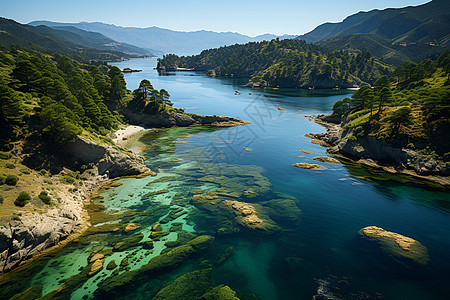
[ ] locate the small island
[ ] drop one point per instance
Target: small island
(128, 70)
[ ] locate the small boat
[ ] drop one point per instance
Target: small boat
(237, 93)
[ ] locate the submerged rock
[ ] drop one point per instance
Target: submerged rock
(96, 267)
(396, 244)
(221, 292)
(132, 227)
(157, 227)
(96, 257)
(113, 285)
(307, 166)
(128, 243)
(247, 216)
(283, 209)
(148, 245)
(33, 292)
(189, 286)
(111, 265)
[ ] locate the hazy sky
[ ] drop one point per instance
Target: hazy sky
(251, 17)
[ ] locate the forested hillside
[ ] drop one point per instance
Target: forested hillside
(284, 63)
(411, 108)
(394, 35)
(55, 96)
(50, 41)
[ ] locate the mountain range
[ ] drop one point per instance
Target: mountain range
(71, 41)
(164, 40)
(393, 34)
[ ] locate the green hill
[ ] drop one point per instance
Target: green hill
(93, 40)
(47, 40)
(284, 63)
(394, 34)
(409, 109)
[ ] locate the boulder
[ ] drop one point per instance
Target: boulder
(96, 267)
(157, 227)
(326, 159)
(96, 257)
(396, 244)
(111, 265)
(307, 166)
(132, 227)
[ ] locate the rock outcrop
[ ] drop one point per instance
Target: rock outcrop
(379, 153)
(27, 237)
(396, 244)
(34, 232)
(109, 160)
(169, 119)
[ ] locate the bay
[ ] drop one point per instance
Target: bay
(318, 255)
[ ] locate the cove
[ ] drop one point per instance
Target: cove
(314, 253)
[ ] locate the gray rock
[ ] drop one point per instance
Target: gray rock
(169, 119)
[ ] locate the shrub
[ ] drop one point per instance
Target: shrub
(25, 171)
(10, 166)
(22, 199)
(5, 155)
(43, 172)
(45, 197)
(67, 179)
(11, 180)
(446, 156)
(1, 199)
(2, 179)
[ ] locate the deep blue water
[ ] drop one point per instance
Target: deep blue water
(319, 254)
(335, 203)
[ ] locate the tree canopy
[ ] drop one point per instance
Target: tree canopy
(284, 63)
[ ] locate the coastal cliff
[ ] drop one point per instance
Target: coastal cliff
(34, 231)
(375, 152)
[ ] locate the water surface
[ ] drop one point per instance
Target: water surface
(320, 253)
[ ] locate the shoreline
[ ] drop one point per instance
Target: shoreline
(333, 133)
(121, 136)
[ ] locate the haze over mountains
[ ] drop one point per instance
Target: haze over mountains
(393, 34)
(88, 45)
(164, 40)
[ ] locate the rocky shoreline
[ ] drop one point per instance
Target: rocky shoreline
(170, 119)
(376, 153)
(36, 232)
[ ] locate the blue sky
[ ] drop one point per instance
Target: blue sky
(251, 17)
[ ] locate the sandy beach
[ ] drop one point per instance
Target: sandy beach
(123, 134)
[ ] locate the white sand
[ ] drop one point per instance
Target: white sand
(126, 132)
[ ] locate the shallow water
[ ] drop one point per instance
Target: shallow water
(319, 254)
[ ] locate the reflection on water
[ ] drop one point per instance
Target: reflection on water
(280, 232)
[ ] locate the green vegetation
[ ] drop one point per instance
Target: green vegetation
(11, 180)
(1, 199)
(411, 108)
(284, 63)
(50, 41)
(5, 155)
(56, 96)
(148, 100)
(45, 197)
(22, 199)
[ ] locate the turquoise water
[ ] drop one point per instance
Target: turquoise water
(318, 256)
